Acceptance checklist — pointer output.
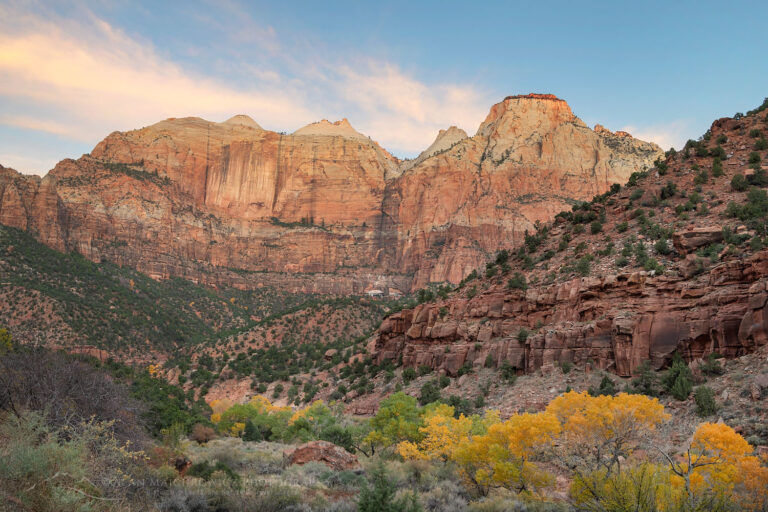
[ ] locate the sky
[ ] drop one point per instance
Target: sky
(72, 72)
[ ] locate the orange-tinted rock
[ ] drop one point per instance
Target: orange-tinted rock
(325, 209)
(690, 240)
(335, 457)
(616, 322)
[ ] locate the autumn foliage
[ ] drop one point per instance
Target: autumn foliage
(610, 447)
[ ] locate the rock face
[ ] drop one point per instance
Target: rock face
(324, 209)
(530, 159)
(335, 457)
(626, 278)
(444, 141)
(615, 321)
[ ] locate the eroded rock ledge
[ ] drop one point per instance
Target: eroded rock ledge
(614, 322)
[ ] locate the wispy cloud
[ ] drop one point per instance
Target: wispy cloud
(406, 112)
(101, 80)
(83, 78)
(666, 135)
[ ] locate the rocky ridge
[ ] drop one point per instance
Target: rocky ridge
(674, 261)
(323, 210)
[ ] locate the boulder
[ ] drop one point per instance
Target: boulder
(689, 240)
(335, 457)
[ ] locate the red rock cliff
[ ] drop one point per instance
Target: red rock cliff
(674, 261)
(325, 209)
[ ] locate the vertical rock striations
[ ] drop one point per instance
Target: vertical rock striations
(324, 209)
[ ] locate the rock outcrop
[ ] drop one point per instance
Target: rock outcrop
(444, 141)
(615, 322)
(325, 209)
(335, 457)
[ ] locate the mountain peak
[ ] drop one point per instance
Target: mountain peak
(242, 120)
(544, 111)
(324, 127)
(444, 140)
(534, 96)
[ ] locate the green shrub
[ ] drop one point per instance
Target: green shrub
(646, 380)
(583, 266)
(408, 375)
(596, 227)
(621, 227)
(721, 139)
(205, 470)
(739, 183)
(522, 335)
(712, 365)
(637, 194)
(717, 152)
(635, 177)
(607, 387)
(508, 372)
(754, 133)
(761, 144)
(465, 369)
(517, 282)
(754, 158)
(252, 432)
(662, 247)
(705, 401)
(44, 468)
(340, 436)
(702, 177)
(668, 190)
(443, 381)
(430, 392)
(678, 379)
(460, 406)
(717, 168)
(380, 497)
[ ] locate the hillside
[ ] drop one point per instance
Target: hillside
(65, 300)
(324, 210)
(671, 262)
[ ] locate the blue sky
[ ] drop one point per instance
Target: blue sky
(72, 72)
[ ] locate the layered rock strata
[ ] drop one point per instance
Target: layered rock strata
(613, 322)
(324, 209)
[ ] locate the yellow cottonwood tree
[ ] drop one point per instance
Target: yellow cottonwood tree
(598, 431)
(219, 407)
(503, 456)
(719, 466)
(441, 434)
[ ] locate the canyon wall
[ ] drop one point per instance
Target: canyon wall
(325, 209)
(675, 261)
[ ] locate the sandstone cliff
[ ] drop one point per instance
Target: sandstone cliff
(673, 262)
(325, 209)
(530, 159)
